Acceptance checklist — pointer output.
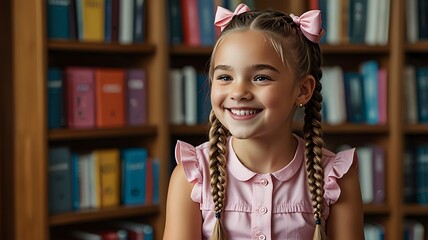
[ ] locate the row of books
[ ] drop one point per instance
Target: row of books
(416, 17)
(371, 172)
(414, 230)
(354, 21)
(101, 178)
(189, 96)
(415, 83)
(191, 22)
(107, 21)
(81, 97)
(355, 97)
(119, 230)
(373, 231)
(415, 172)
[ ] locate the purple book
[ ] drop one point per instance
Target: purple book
(136, 101)
(378, 174)
(80, 97)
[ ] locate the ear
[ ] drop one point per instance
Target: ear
(305, 91)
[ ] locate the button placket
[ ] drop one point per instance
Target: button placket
(262, 203)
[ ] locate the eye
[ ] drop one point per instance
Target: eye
(224, 78)
(261, 78)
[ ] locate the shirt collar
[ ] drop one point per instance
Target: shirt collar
(240, 172)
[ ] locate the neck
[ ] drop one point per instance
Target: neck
(265, 155)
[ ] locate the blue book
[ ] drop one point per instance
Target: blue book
(59, 180)
(422, 174)
(175, 22)
(206, 18)
(75, 180)
(422, 93)
(139, 22)
(107, 21)
(357, 20)
(58, 19)
(354, 97)
(203, 98)
(148, 232)
(156, 171)
(55, 98)
(369, 71)
(134, 163)
(323, 8)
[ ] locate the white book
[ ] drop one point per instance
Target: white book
(372, 24)
(383, 16)
(190, 95)
(418, 231)
(365, 172)
(84, 181)
(410, 94)
(333, 22)
(334, 95)
(412, 23)
(176, 100)
(126, 21)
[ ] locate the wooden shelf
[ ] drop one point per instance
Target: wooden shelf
(72, 46)
(416, 129)
(376, 209)
(183, 50)
(102, 214)
(185, 130)
(415, 210)
(418, 48)
(72, 134)
(354, 49)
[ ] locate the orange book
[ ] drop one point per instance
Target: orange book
(110, 97)
(93, 20)
(108, 160)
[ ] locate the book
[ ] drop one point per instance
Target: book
(139, 23)
(175, 28)
(190, 95)
(55, 98)
(203, 98)
(136, 97)
(383, 95)
(422, 174)
(383, 22)
(109, 172)
(357, 21)
(354, 97)
(176, 99)
(126, 21)
(75, 180)
(156, 179)
(334, 89)
(369, 70)
(378, 174)
(93, 175)
(93, 20)
(107, 20)
(206, 13)
(58, 26)
(134, 168)
(189, 13)
(110, 97)
(409, 176)
(412, 24)
(149, 180)
(410, 94)
(59, 180)
(334, 22)
(422, 96)
(365, 173)
(80, 85)
(115, 20)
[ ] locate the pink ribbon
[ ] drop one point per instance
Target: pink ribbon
(310, 25)
(223, 15)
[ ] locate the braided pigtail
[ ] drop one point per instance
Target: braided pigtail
(218, 140)
(314, 168)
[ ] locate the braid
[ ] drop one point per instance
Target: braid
(314, 168)
(218, 138)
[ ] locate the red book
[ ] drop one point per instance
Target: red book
(80, 100)
(190, 20)
(110, 94)
(149, 180)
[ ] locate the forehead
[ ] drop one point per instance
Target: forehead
(247, 47)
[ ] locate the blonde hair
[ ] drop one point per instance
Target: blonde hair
(304, 56)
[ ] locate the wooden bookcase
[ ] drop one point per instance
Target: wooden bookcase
(24, 138)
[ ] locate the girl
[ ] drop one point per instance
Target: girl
(255, 179)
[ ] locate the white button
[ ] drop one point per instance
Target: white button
(262, 237)
(262, 210)
(264, 182)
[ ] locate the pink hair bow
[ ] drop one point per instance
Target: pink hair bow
(223, 15)
(310, 25)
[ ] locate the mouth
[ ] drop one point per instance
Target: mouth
(244, 112)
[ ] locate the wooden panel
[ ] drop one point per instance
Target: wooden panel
(30, 141)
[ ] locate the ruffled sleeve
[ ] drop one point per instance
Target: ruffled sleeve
(341, 164)
(186, 155)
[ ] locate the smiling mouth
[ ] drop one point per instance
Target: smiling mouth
(244, 112)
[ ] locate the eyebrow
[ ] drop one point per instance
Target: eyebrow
(256, 67)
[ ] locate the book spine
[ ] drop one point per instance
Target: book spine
(58, 19)
(59, 180)
(55, 98)
(136, 97)
(126, 21)
(139, 21)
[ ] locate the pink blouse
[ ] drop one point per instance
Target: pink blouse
(263, 206)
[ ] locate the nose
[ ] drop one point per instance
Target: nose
(241, 91)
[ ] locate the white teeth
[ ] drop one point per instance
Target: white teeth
(243, 112)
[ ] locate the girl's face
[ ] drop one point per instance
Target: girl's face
(253, 93)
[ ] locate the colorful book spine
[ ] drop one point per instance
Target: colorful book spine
(55, 98)
(59, 180)
(369, 70)
(126, 21)
(422, 90)
(58, 19)
(357, 21)
(354, 97)
(189, 13)
(110, 94)
(203, 98)
(156, 179)
(175, 22)
(107, 21)
(75, 180)
(206, 18)
(136, 97)
(93, 20)
(139, 23)
(134, 169)
(109, 169)
(80, 97)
